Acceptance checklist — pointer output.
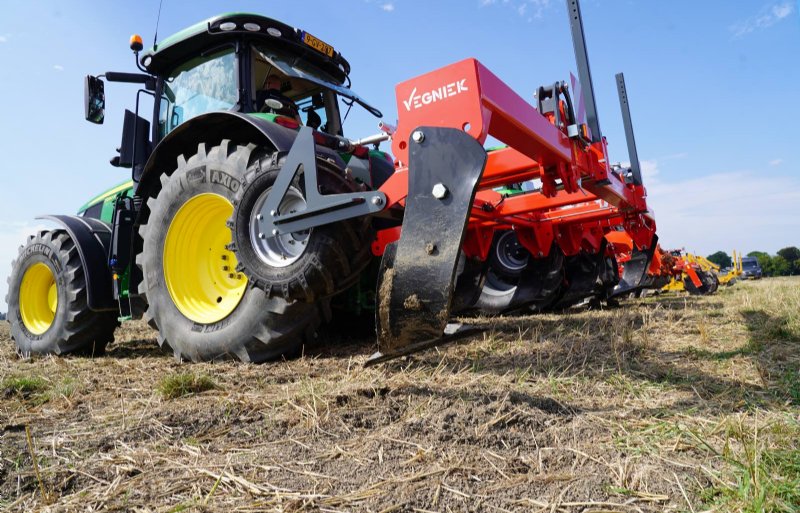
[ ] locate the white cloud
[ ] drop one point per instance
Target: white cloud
(649, 170)
(727, 211)
(3, 39)
(58, 67)
(783, 10)
(776, 162)
(527, 9)
(768, 16)
(388, 7)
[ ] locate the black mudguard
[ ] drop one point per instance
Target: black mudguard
(92, 237)
(212, 128)
(417, 278)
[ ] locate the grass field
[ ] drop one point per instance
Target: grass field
(670, 403)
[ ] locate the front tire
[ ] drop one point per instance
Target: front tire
(201, 306)
(47, 300)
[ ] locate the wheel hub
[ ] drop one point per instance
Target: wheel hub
(510, 254)
(278, 250)
(199, 270)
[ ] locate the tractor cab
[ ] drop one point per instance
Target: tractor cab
(250, 64)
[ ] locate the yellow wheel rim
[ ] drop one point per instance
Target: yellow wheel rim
(199, 271)
(38, 298)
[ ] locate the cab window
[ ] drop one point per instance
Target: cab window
(280, 88)
(204, 84)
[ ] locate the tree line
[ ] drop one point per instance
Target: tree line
(785, 263)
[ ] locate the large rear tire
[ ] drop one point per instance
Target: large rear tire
(47, 300)
(201, 306)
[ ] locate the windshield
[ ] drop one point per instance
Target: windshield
(749, 264)
(201, 85)
(295, 68)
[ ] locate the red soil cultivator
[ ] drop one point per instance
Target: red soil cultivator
(443, 190)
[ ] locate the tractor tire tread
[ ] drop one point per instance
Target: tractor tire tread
(75, 328)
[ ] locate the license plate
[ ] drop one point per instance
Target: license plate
(318, 44)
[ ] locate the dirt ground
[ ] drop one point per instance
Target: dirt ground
(669, 403)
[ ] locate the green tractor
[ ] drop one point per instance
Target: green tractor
(230, 97)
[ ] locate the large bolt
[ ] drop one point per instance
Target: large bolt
(377, 201)
(439, 191)
(418, 136)
(272, 213)
(260, 235)
(275, 232)
(259, 217)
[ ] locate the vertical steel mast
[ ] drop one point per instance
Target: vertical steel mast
(584, 73)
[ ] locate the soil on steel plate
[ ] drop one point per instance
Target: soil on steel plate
(629, 409)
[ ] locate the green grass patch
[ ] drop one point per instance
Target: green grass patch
(763, 469)
(185, 383)
(25, 386)
(790, 384)
(753, 347)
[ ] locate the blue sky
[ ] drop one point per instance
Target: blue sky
(713, 88)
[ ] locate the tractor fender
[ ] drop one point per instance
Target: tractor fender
(211, 128)
(92, 238)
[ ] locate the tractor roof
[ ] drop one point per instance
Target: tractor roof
(229, 27)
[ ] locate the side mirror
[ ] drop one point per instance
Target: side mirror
(94, 99)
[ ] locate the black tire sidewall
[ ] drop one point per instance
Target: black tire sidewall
(231, 336)
(38, 250)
